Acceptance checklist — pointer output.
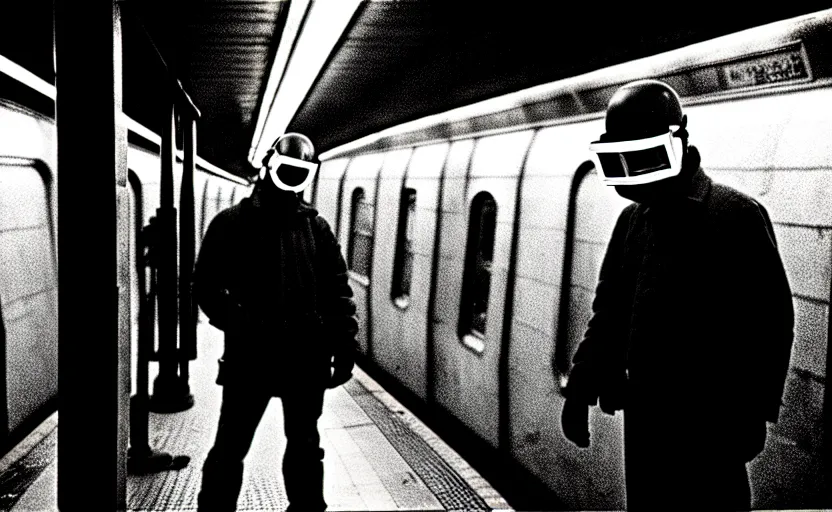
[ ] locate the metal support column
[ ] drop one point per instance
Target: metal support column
(187, 249)
(90, 155)
(171, 393)
(141, 458)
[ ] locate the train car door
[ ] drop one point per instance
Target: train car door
(327, 193)
(405, 278)
(28, 292)
(359, 219)
(386, 319)
(473, 277)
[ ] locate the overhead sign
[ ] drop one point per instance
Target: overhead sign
(788, 64)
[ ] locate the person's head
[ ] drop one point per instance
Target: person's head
(290, 163)
(645, 142)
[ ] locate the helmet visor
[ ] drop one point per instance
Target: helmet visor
(635, 162)
(291, 174)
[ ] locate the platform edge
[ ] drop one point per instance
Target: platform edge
(479, 484)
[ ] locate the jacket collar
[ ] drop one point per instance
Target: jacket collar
(285, 204)
(699, 186)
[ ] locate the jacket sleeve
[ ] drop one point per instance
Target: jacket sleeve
(210, 273)
(766, 313)
(593, 358)
(335, 295)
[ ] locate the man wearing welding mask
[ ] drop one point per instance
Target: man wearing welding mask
(270, 273)
(692, 321)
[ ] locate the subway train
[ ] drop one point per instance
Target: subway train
(28, 239)
(474, 240)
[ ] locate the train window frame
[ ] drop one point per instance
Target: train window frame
(357, 201)
(469, 334)
(404, 252)
(563, 351)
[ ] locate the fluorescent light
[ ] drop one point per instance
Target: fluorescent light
(25, 76)
(326, 21)
(140, 129)
(297, 10)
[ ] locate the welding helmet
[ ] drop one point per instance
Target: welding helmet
(290, 163)
(644, 135)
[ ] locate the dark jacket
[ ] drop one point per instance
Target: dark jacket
(271, 275)
(693, 312)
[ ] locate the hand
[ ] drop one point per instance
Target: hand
(574, 420)
(343, 362)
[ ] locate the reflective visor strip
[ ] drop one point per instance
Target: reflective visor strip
(664, 143)
(278, 159)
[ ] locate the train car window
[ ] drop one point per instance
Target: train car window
(202, 222)
(591, 215)
(218, 201)
(403, 260)
(479, 257)
(361, 239)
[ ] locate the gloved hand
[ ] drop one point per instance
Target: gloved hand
(574, 420)
(343, 361)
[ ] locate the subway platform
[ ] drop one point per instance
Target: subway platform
(379, 456)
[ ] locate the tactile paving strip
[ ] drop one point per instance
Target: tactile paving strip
(177, 490)
(19, 476)
(450, 489)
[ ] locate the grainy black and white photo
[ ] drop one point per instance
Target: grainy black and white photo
(401, 255)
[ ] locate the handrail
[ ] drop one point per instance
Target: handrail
(29, 79)
(206, 166)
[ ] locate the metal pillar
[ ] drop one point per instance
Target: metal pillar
(90, 155)
(145, 253)
(141, 458)
(187, 250)
(171, 392)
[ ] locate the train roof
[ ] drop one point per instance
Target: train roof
(770, 59)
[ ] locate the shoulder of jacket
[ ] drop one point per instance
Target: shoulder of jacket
(726, 201)
(228, 217)
(729, 196)
(322, 226)
(628, 210)
(235, 210)
(627, 215)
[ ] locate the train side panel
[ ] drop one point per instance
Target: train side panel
(424, 179)
(450, 266)
(494, 171)
(400, 323)
(358, 215)
(558, 177)
(28, 267)
(328, 193)
(387, 317)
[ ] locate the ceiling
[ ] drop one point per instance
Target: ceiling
(220, 50)
(397, 60)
